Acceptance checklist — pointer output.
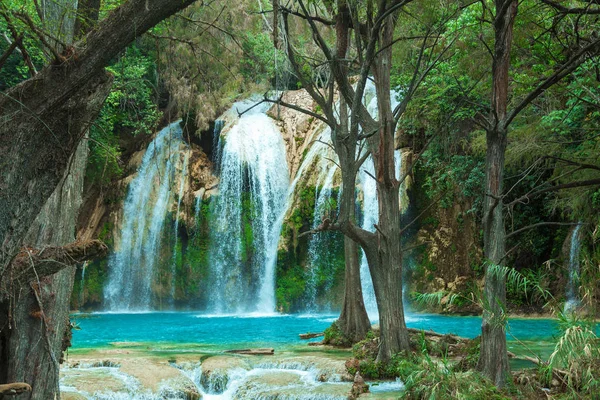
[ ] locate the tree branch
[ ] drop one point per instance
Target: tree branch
(31, 263)
(570, 10)
(570, 185)
(10, 49)
(528, 227)
(564, 70)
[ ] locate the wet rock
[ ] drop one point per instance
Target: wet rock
(215, 372)
(179, 388)
(288, 385)
(359, 387)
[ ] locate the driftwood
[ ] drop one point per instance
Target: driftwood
(309, 335)
(13, 389)
(31, 264)
(253, 352)
(560, 374)
(454, 338)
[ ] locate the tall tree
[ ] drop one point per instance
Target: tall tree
(493, 361)
(370, 30)
(43, 121)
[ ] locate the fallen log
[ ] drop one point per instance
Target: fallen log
(253, 352)
(455, 338)
(310, 335)
(13, 389)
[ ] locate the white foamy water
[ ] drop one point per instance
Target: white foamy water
(252, 195)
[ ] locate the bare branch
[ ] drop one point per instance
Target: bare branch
(570, 185)
(528, 227)
(30, 263)
(564, 70)
(572, 10)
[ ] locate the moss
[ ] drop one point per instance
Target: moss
(291, 284)
(335, 337)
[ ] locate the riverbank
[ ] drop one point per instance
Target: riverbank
(174, 355)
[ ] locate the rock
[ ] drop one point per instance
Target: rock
(215, 372)
(13, 389)
(359, 387)
(179, 388)
(352, 365)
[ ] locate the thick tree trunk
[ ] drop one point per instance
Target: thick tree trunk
(38, 318)
(493, 360)
(43, 121)
(387, 278)
(44, 117)
(354, 321)
(387, 275)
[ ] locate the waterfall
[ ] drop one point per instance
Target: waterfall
(216, 148)
(198, 207)
(318, 246)
(370, 211)
(82, 284)
(574, 270)
(176, 228)
(132, 265)
(246, 215)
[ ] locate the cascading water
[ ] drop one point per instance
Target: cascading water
(245, 230)
(198, 207)
(145, 209)
(574, 270)
(216, 150)
(82, 284)
(176, 228)
(318, 246)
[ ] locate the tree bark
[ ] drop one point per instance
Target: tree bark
(354, 321)
(87, 17)
(32, 264)
(493, 359)
(387, 279)
(46, 116)
(43, 121)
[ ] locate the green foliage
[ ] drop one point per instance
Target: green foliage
(427, 378)
(291, 284)
(577, 351)
(335, 337)
(260, 57)
(454, 179)
(129, 109)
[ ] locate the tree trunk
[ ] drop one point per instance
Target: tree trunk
(45, 117)
(493, 359)
(354, 321)
(387, 275)
(43, 122)
(87, 17)
(387, 278)
(38, 319)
